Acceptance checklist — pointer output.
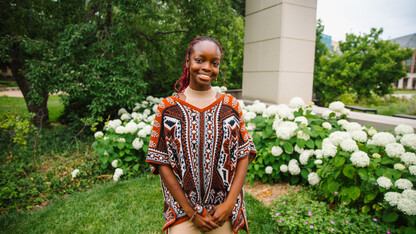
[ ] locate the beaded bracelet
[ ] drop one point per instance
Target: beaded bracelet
(193, 216)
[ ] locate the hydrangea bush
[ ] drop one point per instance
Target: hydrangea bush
(123, 142)
(349, 163)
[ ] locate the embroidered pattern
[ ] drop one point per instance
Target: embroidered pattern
(203, 148)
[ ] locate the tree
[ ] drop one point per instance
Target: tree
(28, 31)
(367, 64)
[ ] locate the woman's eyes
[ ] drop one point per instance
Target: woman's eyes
(198, 60)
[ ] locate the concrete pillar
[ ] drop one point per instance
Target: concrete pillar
(279, 50)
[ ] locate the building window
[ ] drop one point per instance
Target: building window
(405, 82)
(414, 63)
(408, 65)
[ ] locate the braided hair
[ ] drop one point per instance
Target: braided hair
(185, 78)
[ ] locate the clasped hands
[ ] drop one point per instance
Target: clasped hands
(214, 219)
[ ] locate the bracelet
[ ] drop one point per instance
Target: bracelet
(193, 216)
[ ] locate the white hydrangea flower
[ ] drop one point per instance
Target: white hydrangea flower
(359, 135)
(141, 125)
(113, 124)
(294, 168)
(394, 150)
(269, 170)
(342, 122)
(154, 108)
(303, 135)
(277, 151)
(114, 163)
(352, 126)
(131, 127)
(296, 103)
(337, 137)
(144, 104)
(408, 158)
(117, 174)
(403, 129)
(303, 121)
(257, 107)
(409, 193)
(345, 111)
(318, 162)
(75, 173)
(136, 107)
(349, 145)
(326, 114)
(249, 116)
(313, 178)
(122, 140)
(392, 198)
(409, 140)
(284, 111)
(384, 182)
(403, 184)
(412, 170)
(304, 156)
(372, 131)
(382, 139)
(327, 125)
(105, 153)
(328, 148)
(283, 168)
(150, 118)
(407, 206)
(251, 126)
(137, 143)
(241, 102)
(318, 153)
(98, 134)
(376, 155)
(223, 89)
(336, 106)
(276, 122)
(150, 98)
(360, 159)
(125, 117)
(298, 150)
(147, 112)
(270, 111)
(399, 166)
(122, 111)
(285, 130)
(121, 130)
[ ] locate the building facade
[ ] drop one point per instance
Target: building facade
(408, 82)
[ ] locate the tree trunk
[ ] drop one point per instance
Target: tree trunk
(41, 110)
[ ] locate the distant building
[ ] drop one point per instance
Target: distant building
(408, 82)
(327, 40)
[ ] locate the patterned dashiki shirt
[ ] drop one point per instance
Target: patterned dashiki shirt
(203, 147)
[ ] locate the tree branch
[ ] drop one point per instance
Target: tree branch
(152, 37)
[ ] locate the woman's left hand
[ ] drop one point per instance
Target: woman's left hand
(220, 213)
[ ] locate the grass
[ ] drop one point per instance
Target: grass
(55, 107)
(133, 206)
(404, 91)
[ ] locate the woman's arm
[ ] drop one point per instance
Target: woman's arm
(221, 212)
(204, 223)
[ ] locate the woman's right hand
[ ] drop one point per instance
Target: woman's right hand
(204, 223)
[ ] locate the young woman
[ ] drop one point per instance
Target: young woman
(201, 149)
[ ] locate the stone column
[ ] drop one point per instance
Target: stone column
(279, 50)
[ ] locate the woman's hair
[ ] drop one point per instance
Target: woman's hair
(185, 78)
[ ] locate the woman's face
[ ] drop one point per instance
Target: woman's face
(204, 65)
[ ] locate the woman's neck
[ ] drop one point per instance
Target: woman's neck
(200, 99)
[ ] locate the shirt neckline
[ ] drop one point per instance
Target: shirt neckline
(199, 109)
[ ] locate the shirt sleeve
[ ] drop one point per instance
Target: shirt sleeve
(246, 146)
(158, 150)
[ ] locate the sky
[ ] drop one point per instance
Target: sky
(396, 17)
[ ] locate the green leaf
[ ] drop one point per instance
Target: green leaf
(339, 161)
(318, 143)
(300, 142)
(333, 186)
(310, 144)
(256, 167)
(267, 131)
(386, 160)
(365, 209)
(410, 230)
(128, 159)
(380, 171)
(121, 153)
(369, 197)
(390, 216)
(349, 171)
(136, 167)
(354, 192)
(288, 147)
(304, 173)
(94, 144)
(363, 174)
(258, 119)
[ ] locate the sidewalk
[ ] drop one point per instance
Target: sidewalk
(11, 93)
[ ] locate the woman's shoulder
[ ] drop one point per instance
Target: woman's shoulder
(232, 102)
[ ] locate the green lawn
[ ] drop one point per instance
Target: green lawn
(133, 206)
(55, 107)
(405, 91)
